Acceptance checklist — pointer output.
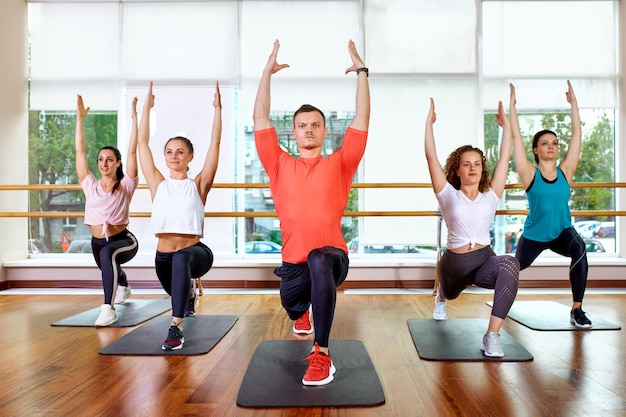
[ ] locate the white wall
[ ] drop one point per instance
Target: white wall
(13, 126)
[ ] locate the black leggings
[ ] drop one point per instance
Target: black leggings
(314, 283)
(176, 269)
(485, 269)
(110, 255)
(568, 243)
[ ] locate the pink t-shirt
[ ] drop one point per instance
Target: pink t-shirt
(102, 208)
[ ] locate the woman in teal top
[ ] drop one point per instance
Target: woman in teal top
(548, 224)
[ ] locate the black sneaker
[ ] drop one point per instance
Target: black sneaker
(174, 339)
(579, 319)
(190, 308)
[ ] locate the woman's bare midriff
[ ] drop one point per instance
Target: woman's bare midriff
(467, 248)
(173, 242)
(98, 231)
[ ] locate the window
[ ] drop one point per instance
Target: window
(51, 161)
(461, 53)
(516, 50)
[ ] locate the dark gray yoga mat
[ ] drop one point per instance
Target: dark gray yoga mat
(274, 377)
(460, 340)
(201, 334)
(133, 312)
(550, 315)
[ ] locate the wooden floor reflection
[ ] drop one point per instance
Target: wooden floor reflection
(57, 371)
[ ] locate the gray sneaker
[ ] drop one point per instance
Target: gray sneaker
(491, 345)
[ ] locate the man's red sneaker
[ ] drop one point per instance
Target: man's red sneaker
(320, 370)
(303, 324)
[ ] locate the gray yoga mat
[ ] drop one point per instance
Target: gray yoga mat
(460, 340)
(552, 316)
(201, 334)
(274, 377)
(133, 312)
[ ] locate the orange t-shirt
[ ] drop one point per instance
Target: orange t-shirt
(310, 194)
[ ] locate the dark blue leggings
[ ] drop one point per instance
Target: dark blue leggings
(314, 283)
(568, 243)
(176, 269)
(110, 255)
(485, 269)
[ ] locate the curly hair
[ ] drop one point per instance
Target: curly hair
(453, 162)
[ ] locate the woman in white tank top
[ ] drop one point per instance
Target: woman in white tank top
(178, 215)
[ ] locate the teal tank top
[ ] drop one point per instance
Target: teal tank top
(548, 207)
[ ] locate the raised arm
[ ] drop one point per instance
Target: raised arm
(361, 119)
(437, 176)
(204, 181)
(570, 162)
(150, 172)
(500, 172)
(525, 168)
(261, 114)
(131, 158)
(82, 166)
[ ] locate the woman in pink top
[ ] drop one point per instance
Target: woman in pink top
(107, 203)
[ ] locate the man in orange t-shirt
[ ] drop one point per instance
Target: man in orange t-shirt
(310, 195)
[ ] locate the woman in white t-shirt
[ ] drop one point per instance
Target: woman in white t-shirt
(178, 215)
(468, 201)
(107, 203)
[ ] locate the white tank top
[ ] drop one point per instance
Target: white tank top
(177, 208)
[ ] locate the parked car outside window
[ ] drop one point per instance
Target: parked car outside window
(80, 246)
(606, 230)
(353, 247)
(263, 246)
(587, 228)
(593, 245)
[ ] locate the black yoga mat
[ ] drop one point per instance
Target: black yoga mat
(460, 340)
(274, 377)
(131, 313)
(201, 334)
(550, 315)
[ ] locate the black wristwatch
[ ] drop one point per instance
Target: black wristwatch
(363, 69)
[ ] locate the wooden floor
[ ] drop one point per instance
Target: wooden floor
(57, 371)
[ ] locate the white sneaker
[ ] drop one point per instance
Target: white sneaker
(122, 294)
(440, 313)
(491, 345)
(107, 316)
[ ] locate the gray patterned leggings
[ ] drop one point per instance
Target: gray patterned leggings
(482, 268)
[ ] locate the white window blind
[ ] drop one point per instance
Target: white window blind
(421, 36)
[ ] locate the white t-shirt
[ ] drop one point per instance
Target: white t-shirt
(467, 221)
(177, 208)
